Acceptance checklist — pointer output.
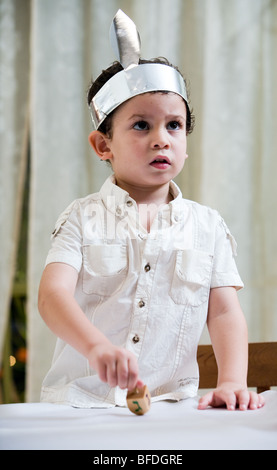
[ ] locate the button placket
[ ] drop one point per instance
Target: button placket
(140, 317)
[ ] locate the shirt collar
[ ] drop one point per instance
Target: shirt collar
(116, 199)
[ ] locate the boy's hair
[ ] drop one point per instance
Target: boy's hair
(106, 126)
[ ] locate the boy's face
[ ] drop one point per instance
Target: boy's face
(149, 141)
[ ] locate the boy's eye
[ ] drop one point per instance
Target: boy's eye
(173, 125)
(141, 126)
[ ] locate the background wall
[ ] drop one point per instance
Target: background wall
(49, 49)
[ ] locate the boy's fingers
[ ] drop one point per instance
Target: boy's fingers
(243, 400)
(256, 401)
(102, 372)
(118, 367)
(122, 373)
(127, 373)
(216, 399)
(205, 401)
(133, 374)
(140, 383)
(229, 399)
(112, 373)
(261, 401)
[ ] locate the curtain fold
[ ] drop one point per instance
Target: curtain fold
(14, 128)
(227, 52)
(239, 147)
(61, 167)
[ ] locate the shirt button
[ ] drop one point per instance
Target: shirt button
(147, 267)
(141, 304)
(135, 339)
(129, 203)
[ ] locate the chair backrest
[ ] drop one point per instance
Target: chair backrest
(262, 366)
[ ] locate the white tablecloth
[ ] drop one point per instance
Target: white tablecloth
(171, 426)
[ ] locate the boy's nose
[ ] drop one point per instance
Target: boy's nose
(159, 139)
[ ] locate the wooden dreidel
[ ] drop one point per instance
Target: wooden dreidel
(139, 400)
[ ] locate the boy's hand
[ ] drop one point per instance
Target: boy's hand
(115, 366)
(231, 395)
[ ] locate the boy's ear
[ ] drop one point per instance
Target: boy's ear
(100, 144)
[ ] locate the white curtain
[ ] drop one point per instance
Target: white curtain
(227, 51)
(14, 129)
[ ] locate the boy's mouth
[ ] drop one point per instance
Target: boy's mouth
(160, 163)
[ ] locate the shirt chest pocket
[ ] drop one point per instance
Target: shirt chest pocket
(192, 277)
(104, 268)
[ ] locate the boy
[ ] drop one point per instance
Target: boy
(135, 268)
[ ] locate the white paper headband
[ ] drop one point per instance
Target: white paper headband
(136, 78)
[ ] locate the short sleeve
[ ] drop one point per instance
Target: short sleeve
(67, 239)
(225, 272)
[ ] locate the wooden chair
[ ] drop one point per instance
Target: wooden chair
(262, 366)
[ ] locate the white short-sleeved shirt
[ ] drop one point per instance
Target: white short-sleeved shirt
(147, 292)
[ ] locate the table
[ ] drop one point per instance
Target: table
(168, 425)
